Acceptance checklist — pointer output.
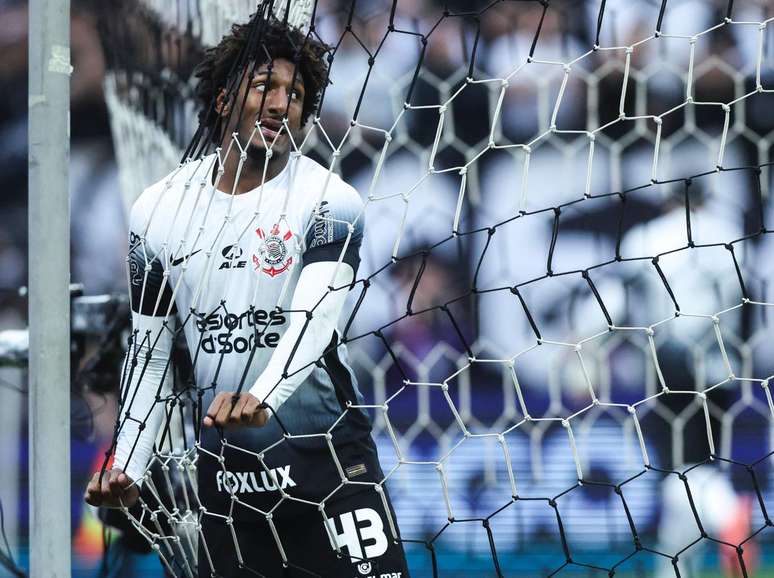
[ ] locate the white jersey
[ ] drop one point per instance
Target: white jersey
(227, 266)
(232, 260)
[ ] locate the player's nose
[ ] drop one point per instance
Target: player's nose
(276, 102)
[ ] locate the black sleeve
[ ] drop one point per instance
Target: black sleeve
(146, 280)
(338, 224)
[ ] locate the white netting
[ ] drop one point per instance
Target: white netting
(561, 319)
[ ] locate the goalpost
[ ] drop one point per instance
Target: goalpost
(562, 312)
(49, 287)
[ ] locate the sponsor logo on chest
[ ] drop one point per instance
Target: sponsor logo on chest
(232, 258)
(226, 333)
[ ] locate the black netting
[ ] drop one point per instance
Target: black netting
(559, 321)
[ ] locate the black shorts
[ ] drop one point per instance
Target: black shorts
(359, 523)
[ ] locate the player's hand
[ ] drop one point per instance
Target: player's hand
(115, 489)
(230, 410)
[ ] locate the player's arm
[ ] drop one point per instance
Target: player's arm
(318, 300)
(312, 294)
(144, 383)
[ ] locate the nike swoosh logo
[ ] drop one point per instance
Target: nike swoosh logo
(176, 262)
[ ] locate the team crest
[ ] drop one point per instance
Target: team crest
(272, 256)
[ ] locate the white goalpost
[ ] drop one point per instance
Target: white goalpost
(49, 288)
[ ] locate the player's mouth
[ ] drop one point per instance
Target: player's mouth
(270, 128)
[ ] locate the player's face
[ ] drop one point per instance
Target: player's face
(271, 94)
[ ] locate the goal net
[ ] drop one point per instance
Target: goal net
(560, 322)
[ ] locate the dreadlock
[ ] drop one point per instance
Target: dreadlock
(274, 40)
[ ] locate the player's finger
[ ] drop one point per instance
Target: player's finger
(131, 495)
(251, 411)
(212, 411)
(93, 485)
(257, 414)
(261, 417)
(129, 491)
(235, 416)
(92, 495)
(104, 487)
(118, 483)
(221, 418)
(248, 409)
(116, 489)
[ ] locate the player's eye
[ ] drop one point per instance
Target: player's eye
(295, 95)
(260, 87)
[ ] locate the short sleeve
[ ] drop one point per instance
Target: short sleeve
(146, 271)
(336, 230)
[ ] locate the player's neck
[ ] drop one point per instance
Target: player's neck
(251, 175)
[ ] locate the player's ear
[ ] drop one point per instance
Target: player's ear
(222, 104)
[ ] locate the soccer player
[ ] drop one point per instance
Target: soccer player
(252, 250)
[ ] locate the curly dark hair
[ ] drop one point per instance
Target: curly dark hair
(271, 39)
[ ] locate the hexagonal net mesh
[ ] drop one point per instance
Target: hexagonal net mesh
(557, 335)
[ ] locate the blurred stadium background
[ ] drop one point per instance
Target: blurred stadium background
(726, 204)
